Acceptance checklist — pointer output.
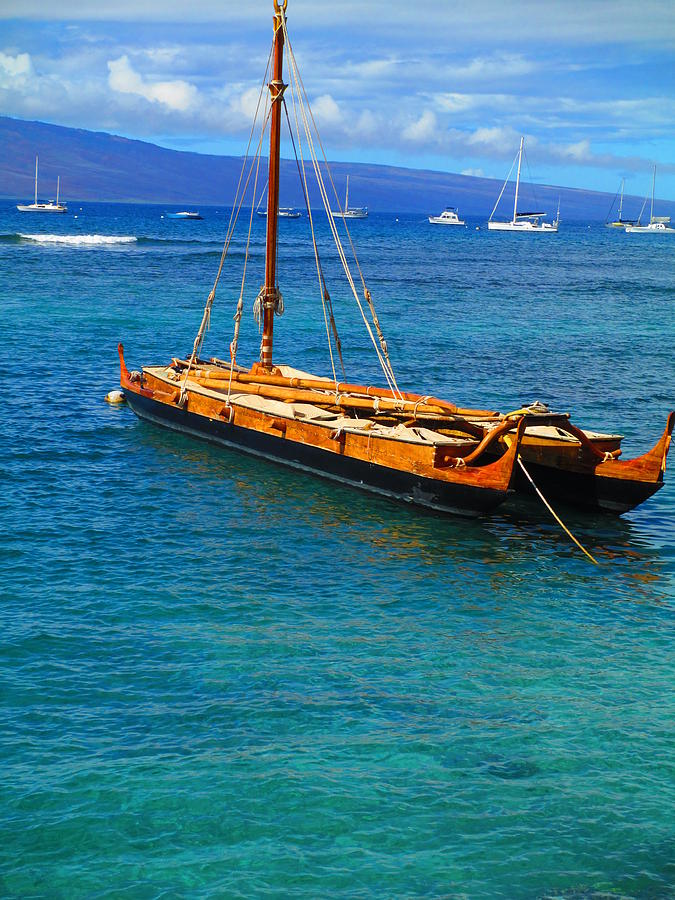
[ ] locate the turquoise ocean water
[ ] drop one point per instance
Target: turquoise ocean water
(220, 678)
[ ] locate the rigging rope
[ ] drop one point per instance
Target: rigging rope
(531, 182)
(494, 210)
(326, 304)
(382, 350)
(308, 125)
(234, 215)
(240, 302)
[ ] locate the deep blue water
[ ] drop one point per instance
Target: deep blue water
(220, 678)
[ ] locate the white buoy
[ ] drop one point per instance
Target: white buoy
(115, 397)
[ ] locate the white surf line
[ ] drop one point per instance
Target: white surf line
(79, 239)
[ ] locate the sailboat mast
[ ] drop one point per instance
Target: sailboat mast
(276, 88)
(520, 161)
(347, 195)
(651, 215)
(36, 164)
(623, 181)
(58, 181)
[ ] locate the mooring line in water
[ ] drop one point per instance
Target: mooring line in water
(554, 514)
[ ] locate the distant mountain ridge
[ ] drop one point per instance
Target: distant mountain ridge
(97, 166)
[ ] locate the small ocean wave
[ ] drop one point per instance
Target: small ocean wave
(74, 240)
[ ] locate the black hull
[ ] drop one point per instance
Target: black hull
(457, 499)
(592, 492)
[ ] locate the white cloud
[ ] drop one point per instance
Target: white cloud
(457, 103)
(498, 66)
(326, 110)
(423, 129)
(579, 152)
(177, 95)
(494, 140)
(367, 124)
(475, 173)
(374, 68)
(16, 70)
(163, 56)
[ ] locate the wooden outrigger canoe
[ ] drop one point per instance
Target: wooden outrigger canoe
(311, 432)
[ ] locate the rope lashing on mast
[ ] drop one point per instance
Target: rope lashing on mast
(273, 299)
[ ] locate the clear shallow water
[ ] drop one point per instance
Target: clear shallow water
(223, 679)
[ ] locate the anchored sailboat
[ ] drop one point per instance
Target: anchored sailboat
(52, 206)
(353, 212)
(619, 222)
(521, 221)
(657, 224)
(412, 447)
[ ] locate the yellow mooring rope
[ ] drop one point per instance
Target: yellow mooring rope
(554, 514)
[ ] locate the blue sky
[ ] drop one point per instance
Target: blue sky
(436, 84)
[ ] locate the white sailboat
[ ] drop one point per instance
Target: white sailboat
(449, 216)
(522, 221)
(355, 212)
(51, 207)
(657, 224)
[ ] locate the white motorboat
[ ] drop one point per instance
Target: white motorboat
(449, 216)
(184, 214)
(528, 222)
(51, 207)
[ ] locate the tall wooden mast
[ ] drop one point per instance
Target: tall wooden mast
(276, 88)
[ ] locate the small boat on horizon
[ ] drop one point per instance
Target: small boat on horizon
(354, 212)
(184, 214)
(449, 216)
(525, 222)
(52, 207)
(657, 224)
(619, 222)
